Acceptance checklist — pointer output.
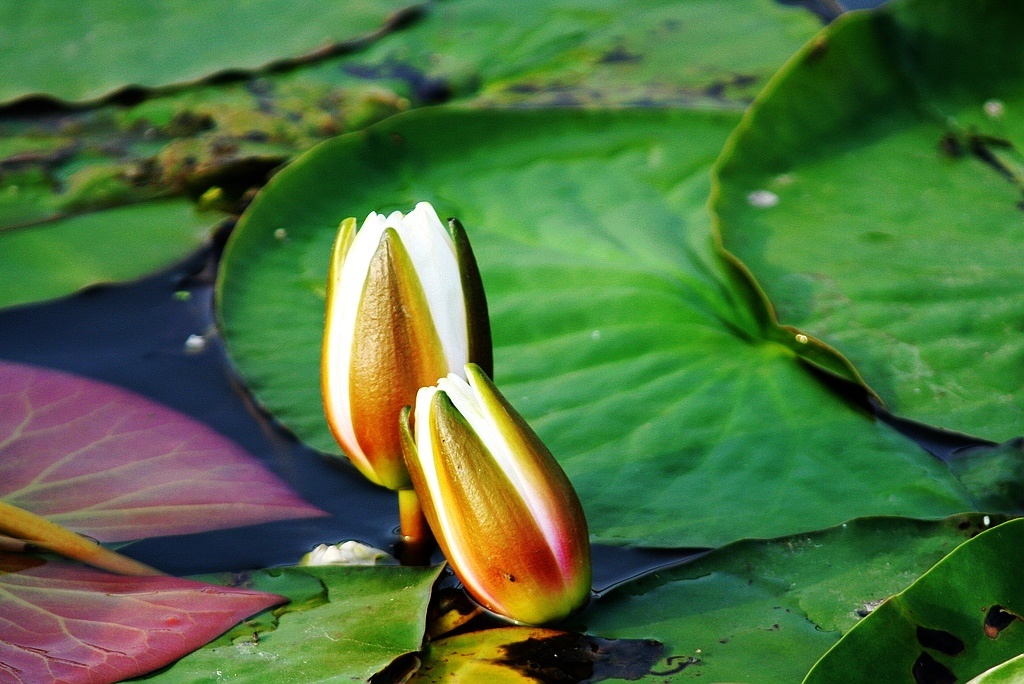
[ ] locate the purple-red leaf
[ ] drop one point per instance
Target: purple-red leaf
(67, 623)
(116, 466)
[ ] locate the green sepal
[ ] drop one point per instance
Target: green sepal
(478, 322)
(410, 453)
(342, 243)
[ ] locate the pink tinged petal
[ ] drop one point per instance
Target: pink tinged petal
(395, 352)
(526, 460)
(115, 466)
(63, 622)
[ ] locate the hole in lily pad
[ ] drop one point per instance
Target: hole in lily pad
(997, 619)
(927, 670)
(940, 640)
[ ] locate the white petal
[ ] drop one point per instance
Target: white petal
(425, 454)
(467, 400)
(433, 257)
(346, 553)
(394, 219)
(424, 446)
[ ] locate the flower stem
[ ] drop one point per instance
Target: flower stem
(29, 527)
(417, 541)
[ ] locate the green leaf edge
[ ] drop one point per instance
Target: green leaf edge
(314, 54)
(809, 349)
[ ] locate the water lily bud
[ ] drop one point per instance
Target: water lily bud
(501, 508)
(405, 306)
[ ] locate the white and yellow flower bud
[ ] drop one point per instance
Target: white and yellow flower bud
(501, 508)
(405, 306)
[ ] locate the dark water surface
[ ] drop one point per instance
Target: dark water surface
(135, 336)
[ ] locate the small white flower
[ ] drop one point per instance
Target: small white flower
(347, 553)
(994, 108)
(195, 344)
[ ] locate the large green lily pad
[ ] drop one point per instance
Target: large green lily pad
(633, 351)
(766, 611)
(957, 621)
(874, 191)
(89, 49)
(344, 624)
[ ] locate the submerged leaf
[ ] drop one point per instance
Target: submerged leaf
(63, 622)
(115, 466)
(515, 655)
(695, 54)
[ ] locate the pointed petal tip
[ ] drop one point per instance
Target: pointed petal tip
(340, 248)
(455, 229)
(428, 212)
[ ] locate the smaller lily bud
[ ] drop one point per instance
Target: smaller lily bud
(501, 508)
(405, 306)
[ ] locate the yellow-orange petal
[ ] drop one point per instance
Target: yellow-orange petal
(395, 352)
(511, 561)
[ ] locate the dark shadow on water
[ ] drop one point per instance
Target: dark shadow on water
(134, 336)
(941, 443)
(616, 565)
